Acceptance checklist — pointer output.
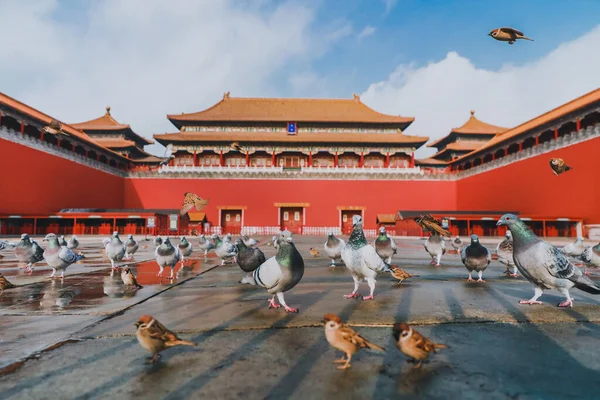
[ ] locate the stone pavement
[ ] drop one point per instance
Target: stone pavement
(499, 349)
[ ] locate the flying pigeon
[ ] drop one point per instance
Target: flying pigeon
(558, 166)
(185, 249)
(249, 258)
(192, 200)
(457, 244)
(509, 35)
(59, 257)
(205, 244)
(333, 248)
(167, 256)
(281, 273)
(362, 259)
(29, 252)
(385, 246)
(225, 250)
(436, 247)
(62, 241)
(168, 155)
(430, 224)
(505, 254)
(131, 246)
(115, 249)
(476, 257)
(543, 264)
(73, 243)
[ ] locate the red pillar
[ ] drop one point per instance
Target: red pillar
(335, 159)
(362, 160)
(221, 161)
(493, 156)
(555, 133)
(97, 157)
(58, 142)
(73, 148)
(195, 159)
(273, 159)
(42, 135)
(520, 146)
(412, 160)
(247, 159)
(310, 159)
(505, 151)
(387, 160)
(537, 140)
(22, 128)
(578, 125)
(0, 119)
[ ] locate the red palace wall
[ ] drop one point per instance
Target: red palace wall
(34, 183)
(324, 196)
(530, 187)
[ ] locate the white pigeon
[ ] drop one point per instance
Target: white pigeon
(5, 245)
(333, 248)
(591, 256)
(115, 249)
(131, 246)
(436, 247)
(205, 244)
(167, 255)
(225, 250)
(505, 254)
(73, 243)
(185, 249)
(362, 259)
(574, 249)
(457, 244)
(59, 257)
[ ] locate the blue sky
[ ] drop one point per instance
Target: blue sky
(431, 60)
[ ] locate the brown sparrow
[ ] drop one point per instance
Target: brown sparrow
(154, 337)
(129, 279)
(400, 274)
(314, 252)
(509, 35)
(192, 200)
(5, 284)
(558, 166)
(413, 344)
(343, 338)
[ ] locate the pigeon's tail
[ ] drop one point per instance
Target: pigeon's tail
(587, 285)
(79, 256)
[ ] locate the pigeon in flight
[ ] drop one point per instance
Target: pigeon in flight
(168, 155)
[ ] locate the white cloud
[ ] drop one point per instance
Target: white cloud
(389, 5)
(439, 95)
(148, 58)
(368, 31)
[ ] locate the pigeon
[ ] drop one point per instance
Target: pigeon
(558, 166)
(5, 245)
(62, 241)
(385, 246)
(131, 246)
(574, 249)
(225, 250)
(476, 257)
(314, 252)
(185, 249)
(333, 248)
(29, 252)
(274, 242)
(362, 259)
(285, 234)
(591, 256)
(507, 34)
(129, 279)
(430, 224)
(167, 256)
(73, 243)
(59, 257)
(115, 249)
(248, 241)
(5, 284)
(505, 254)
(227, 238)
(191, 201)
(168, 155)
(436, 247)
(543, 264)
(249, 258)
(205, 244)
(157, 241)
(457, 244)
(281, 273)
(400, 274)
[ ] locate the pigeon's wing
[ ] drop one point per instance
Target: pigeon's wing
(512, 31)
(557, 264)
(371, 258)
(393, 244)
(463, 254)
(67, 255)
(268, 274)
(169, 150)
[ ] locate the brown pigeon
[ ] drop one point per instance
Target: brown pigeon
(558, 166)
(509, 35)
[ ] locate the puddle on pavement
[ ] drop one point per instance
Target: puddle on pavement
(76, 293)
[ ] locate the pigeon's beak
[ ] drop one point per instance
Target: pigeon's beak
(499, 222)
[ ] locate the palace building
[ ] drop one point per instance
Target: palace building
(307, 165)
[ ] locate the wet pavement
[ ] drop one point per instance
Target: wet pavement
(499, 349)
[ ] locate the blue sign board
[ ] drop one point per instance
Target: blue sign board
(291, 128)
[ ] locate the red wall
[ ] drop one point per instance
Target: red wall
(34, 182)
(530, 187)
(324, 196)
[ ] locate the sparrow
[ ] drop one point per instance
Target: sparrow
(129, 279)
(236, 146)
(430, 224)
(314, 253)
(413, 344)
(5, 284)
(343, 338)
(400, 274)
(558, 166)
(192, 200)
(509, 35)
(154, 337)
(55, 128)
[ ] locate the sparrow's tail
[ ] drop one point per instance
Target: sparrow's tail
(440, 346)
(180, 342)
(567, 168)
(139, 286)
(526, 38)
(374, 346)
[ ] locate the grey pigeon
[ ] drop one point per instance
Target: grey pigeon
(185, 248)
(505, 254)
(225, 250)
(574, 249)
(59, 257)
(29, 252)
(205, 244)
(131, 246)
(281, 273)
(157, 241)
(385, 246)
(248, 241)
(476, 257)
(115, 249)
(436, 247)
(591, 255)
(543, 264)
(457, 244)
(62, 241)
(5, 245)
(73, 243)
(362, 260)
(227, 238)
(249, 258)
(167, 256)
(333, 248)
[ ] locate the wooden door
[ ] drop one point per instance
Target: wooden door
(231, 221)
(291, 219)
(347, 220)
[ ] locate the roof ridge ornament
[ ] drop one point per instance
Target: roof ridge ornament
(226, 95)
(107, 110)
(356, 97)
(472, 113)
